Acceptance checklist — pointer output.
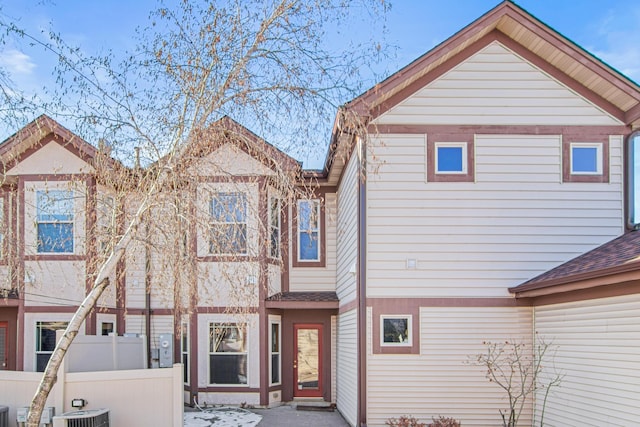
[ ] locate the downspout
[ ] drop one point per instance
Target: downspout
(147, 295)
(361, 283)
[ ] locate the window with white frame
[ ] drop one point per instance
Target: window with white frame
(395, 330)
(451, 157)
(228, 224)
(55, 215)
(46, 342)
(274, 345)
(184, 351)
(309, 230)
(227, 353)
(586, 158)
(274, 227)
(107, 328)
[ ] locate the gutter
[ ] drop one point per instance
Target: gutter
(361, 285)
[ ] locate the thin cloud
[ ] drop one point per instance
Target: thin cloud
(619, 41)
(16, 62)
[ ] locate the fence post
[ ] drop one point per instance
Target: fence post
(177, 386)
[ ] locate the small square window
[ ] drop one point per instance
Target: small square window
(586, 159)
(395, 331)
(451, 157)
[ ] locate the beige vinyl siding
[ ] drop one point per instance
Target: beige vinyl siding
(274, 279)
(439, 381)
(496, 87)
(54, 283)
(597, 346)
(135, 275)
(229, 160)
(347, 247)
(135, 324)
(318, 278)
(51, 159)
(347, 366)
(476, 239)
(228, 284)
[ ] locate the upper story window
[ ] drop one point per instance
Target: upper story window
(451, 157)
(274, 228)
(633, 180)
(228, 224)
(585, 161)
(308, 230)
(55, 216)
(586, 158)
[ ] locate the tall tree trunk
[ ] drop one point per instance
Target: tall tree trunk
(51, 372)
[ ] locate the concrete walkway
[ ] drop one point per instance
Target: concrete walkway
(288, 416)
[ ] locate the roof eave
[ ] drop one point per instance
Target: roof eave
(587, 280)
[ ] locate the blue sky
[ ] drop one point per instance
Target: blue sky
(607, 28)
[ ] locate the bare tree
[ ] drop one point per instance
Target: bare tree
(262, 62)
(518, 369)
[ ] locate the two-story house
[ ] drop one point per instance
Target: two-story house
(490, 160)
(476, 206)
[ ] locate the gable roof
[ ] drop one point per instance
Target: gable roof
(606, 262)
(519, 30)
(28, 139)
(226, 130)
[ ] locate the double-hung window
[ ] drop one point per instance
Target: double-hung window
(309, 230)
(274, 228)
(184, 351)
(274, 341)
(228, 224)
(55, 216)
(227, 353)
(46, 342)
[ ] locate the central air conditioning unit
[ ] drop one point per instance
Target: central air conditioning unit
(86, 418)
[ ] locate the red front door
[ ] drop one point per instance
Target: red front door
(4, 359)
(307, 361)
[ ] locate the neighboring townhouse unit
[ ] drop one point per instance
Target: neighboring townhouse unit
(489, 198)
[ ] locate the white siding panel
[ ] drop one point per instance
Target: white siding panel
(476, 239)
(439, 381)
(597, 346)
(319, 278)
(496, 86)
(228, 284)
(347, 247)
(347, 366)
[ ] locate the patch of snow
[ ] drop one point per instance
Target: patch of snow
(221, 417)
